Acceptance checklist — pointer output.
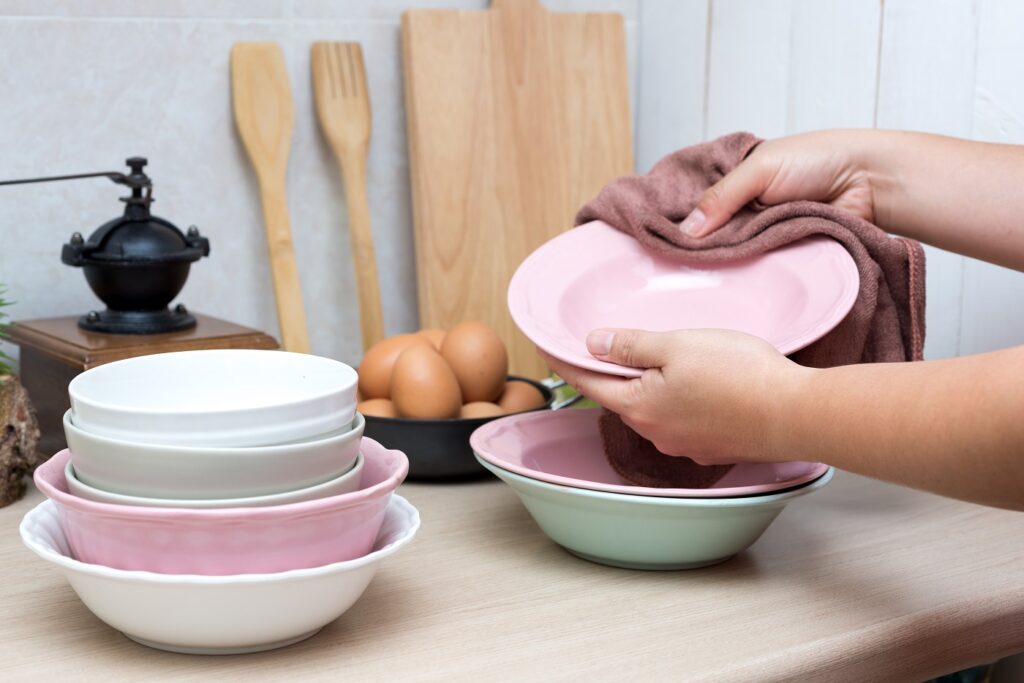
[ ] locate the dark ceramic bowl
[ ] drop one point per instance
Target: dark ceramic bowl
(438, 450)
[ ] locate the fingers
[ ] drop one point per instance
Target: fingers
(632, 348)
(740, 186)
(607, 390)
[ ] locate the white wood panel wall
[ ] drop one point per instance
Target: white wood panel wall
(700, 68)
(778, 67)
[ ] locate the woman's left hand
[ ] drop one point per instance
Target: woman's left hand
(711, 395)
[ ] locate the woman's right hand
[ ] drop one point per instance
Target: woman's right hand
(824, 166)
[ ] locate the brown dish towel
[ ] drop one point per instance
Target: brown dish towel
(886, 323)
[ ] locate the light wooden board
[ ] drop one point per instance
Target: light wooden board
(516, 117)
(862, 581)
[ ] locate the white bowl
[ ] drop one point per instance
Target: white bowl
(218, 614)
(186, 472)
(346, 483)
(227, 397)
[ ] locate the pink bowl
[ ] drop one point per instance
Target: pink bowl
(224, 541)
(564, 447)
(595, 276)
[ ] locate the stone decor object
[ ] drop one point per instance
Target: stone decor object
(19, 438)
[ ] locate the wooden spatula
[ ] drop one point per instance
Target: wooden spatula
(265, 116)
(343, 107)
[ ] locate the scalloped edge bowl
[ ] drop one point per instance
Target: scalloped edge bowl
(218, 614)
(221, 541)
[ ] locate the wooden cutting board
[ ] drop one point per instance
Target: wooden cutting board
(516, 117)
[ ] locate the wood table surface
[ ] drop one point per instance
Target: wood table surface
(862, 581)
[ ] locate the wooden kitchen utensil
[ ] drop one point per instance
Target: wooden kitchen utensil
(516, 117)
(265, 116)
(343, 107)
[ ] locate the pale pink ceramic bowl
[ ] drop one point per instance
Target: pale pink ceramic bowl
(595, 276)
(564, 447)
(217, 542)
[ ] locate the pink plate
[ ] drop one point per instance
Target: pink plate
(595, 276)
(564, 447)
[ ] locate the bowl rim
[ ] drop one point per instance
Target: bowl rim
(664, 501)
(356, 470)
(396, 460)
(540, 264)
(348, 388)
(410, 518)
(479, 442)
(358, 425)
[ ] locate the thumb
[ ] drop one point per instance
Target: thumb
(632, 348)
(723, 199)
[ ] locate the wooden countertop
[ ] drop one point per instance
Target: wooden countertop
(861, 582)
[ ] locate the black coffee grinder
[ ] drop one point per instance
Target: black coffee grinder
(136, 263)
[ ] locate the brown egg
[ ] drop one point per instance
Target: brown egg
(480, 409)
(423, 386)
(378, 407)
(436, 337)
(520, 396)
(479, 360)
(375, 369)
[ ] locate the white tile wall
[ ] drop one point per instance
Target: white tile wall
(85, 83)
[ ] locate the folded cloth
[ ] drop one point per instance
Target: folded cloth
(639, 462)
(886, 323)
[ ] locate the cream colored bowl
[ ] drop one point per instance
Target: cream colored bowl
(346, 483)
(192, 473)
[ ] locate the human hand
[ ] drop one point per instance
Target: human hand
(711, 395)
(824, 166)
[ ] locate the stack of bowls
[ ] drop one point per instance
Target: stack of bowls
(555, 463)
(219, 501)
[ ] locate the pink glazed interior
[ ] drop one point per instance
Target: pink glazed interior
(564, 447)
(230, 540)
(596, 276)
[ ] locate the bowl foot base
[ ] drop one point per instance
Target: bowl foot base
(185, 650)
(646, 566)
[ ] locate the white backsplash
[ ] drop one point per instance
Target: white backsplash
(86, 83)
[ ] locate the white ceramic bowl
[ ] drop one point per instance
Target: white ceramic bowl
(187, 472)
(227, 397)
(346, 483)
(218, 614)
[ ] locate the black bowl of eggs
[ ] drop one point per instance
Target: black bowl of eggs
(424, 393)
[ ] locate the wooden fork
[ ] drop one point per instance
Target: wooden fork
(343, 107)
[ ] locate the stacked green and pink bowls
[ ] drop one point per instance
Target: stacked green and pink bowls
(556, 464)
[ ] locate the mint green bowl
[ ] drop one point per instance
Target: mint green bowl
(647, 532)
